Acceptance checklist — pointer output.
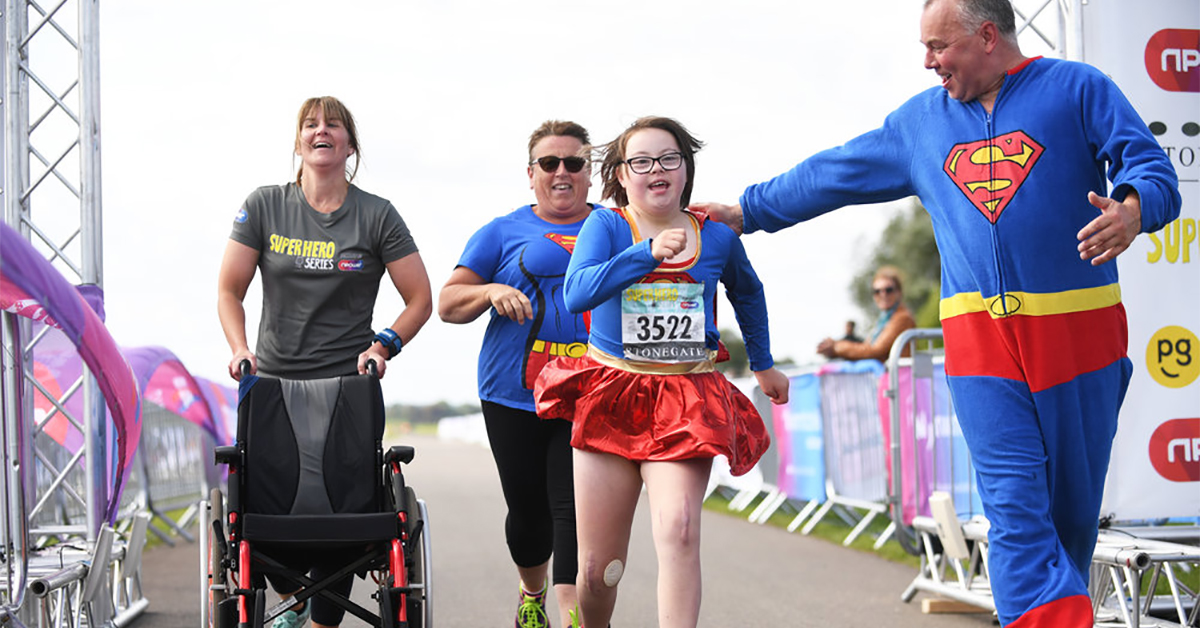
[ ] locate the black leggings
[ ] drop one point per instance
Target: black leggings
(534, 460)
(321, 564)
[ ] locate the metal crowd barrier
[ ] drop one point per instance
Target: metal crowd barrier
(54, 576)
(51, 580)
(175, 470)
(937, 515)
(828, 452)
(78, 594)
(855, 476)
(926, 449)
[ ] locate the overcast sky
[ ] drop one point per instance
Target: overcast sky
(199, 103)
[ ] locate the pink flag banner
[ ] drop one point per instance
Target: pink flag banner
(31, 287)
(165, 381)
(222, 400)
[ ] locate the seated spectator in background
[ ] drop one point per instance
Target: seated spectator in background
(894, 318)
(850, 335)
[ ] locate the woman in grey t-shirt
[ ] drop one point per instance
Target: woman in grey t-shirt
(322, 246)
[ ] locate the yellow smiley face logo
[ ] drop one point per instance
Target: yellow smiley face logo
(1171, 357)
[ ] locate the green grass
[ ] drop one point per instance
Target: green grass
(395, 431)
(152, 539)
(831, 528)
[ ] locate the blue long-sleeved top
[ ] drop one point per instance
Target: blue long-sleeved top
(607, 260)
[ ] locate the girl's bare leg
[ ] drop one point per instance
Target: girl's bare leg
(676, 492)
(567, 601)
(606, 494)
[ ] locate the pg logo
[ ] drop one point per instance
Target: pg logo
(1171, 356)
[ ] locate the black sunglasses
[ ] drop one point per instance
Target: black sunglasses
(887, 290)
(550, 163)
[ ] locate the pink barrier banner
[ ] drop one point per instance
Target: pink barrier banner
(933, 453)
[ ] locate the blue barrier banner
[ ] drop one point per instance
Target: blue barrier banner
(800, 440)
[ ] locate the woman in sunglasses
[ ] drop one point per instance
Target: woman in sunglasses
(893, 319)
(514, 267)
(647, 405)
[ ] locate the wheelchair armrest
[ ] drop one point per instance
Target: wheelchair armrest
(400, 453)
(226, 454)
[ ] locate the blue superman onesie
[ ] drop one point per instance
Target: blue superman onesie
(1035, 337)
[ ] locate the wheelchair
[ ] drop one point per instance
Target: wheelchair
(308, 473)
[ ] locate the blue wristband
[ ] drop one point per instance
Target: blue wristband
(390, 341)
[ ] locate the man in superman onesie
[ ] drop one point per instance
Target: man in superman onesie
(1010, 156)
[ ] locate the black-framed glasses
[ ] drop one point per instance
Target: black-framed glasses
(885, 290)
(642, 165)
(549, 163)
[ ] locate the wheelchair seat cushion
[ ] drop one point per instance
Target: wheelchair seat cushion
(319, 531)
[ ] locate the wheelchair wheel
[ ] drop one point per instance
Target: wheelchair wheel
(420, 566)
(217, 579)
(417, 603)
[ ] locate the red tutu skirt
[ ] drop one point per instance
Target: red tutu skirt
(651, 416)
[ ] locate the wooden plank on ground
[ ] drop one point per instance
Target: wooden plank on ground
(941, 605)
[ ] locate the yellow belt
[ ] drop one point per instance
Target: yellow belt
(1031, 303)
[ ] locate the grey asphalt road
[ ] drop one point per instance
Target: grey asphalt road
(753, 575)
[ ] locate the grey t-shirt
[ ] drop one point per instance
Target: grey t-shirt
(320, 276)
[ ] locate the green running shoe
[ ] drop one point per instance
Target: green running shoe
(531, 613)
(292, 619)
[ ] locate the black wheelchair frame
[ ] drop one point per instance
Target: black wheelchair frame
(396, 549)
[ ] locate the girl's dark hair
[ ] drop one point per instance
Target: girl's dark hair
(614, 156)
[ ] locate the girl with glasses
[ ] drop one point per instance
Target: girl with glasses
(646, 403)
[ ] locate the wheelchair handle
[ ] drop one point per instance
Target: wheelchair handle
(372, 368)
(244, 367)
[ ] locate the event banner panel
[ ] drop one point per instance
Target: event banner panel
(1152, 50)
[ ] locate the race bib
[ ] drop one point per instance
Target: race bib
(663, 322)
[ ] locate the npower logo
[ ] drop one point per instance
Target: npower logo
(1175, 450)
(1173, 59)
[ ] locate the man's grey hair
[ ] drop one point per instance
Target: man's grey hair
(973, 13)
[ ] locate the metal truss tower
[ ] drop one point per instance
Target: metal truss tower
(51, 190)
(52, 197)
(1050, 27)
